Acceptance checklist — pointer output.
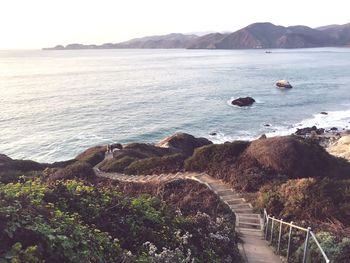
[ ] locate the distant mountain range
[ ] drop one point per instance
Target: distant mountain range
(257, 35)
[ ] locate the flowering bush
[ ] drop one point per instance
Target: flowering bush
(74, 221)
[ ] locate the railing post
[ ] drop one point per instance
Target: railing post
(289, 240)
(267, 227)
(272, 225)
(279, 237)
(306, 244)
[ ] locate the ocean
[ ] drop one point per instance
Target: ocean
(55, 104)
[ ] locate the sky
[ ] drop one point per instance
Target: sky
(33, 24)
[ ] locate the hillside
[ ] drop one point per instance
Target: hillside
(341, 33)
(257, 35)
(165, 41)
(267, 35)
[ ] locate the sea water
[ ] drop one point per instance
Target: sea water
(54, 104)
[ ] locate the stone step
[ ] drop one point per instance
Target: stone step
(230, 197)
(225, 192)
(251, 215)
(220, 186)
(242, 210)
(235, 201)
(249, 219)
(249, 230)
(249, 225)
(240, 206)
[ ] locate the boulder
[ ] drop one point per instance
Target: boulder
(309, 130)
(341, 148)
(242, 102)
(284, 84)
(183, 143)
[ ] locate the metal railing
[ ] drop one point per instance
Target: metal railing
(271, 221)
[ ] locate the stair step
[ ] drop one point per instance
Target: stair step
(252, 230)
(220, 187)
(230, 197)
(250, 215)
(240, 206)
(241, 210)
(249, 225)
(249, 219)
(225, 192)
(235, 201)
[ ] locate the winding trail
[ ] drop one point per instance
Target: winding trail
(254, 248)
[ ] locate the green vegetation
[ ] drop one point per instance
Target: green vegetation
(116, 165)
(92, 155)
(212, 158)
(75, 221)
(157, 165)
(323, 204)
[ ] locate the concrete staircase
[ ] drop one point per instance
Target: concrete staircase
(249, 225)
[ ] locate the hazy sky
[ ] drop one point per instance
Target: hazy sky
(42, 23)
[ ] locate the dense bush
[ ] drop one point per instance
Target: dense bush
(308, 199)
(212, 157)
(248, 166)
(157, 165)
(93, 155)
(116, 165)
(73, 221)
(12, 170)
(76, 170)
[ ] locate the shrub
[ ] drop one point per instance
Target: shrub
(157, 165)
(81, 170)
(93, 155)
(308, 199)
(116, 165)
(211, 157)
(337, 250)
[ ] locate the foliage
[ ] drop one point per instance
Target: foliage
(308, 199)
(337, 250)
(211, 157)
(74, 221)
(93, 155)
(76, 170)
(116, 165)
(157, 165)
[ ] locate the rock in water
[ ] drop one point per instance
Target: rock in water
(241, 102)
(283, 84)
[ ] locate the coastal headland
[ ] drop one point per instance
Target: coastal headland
(293, 177)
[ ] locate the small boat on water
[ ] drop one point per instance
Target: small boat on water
(268, 52)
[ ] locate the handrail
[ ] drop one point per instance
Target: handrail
(267, 218)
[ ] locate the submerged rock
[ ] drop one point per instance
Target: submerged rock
(242, 102)
(284, 84)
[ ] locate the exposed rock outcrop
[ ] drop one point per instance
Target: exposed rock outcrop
(309, 130)
(341, 148)
(284, 84)
(183, 143)
(242, 102)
